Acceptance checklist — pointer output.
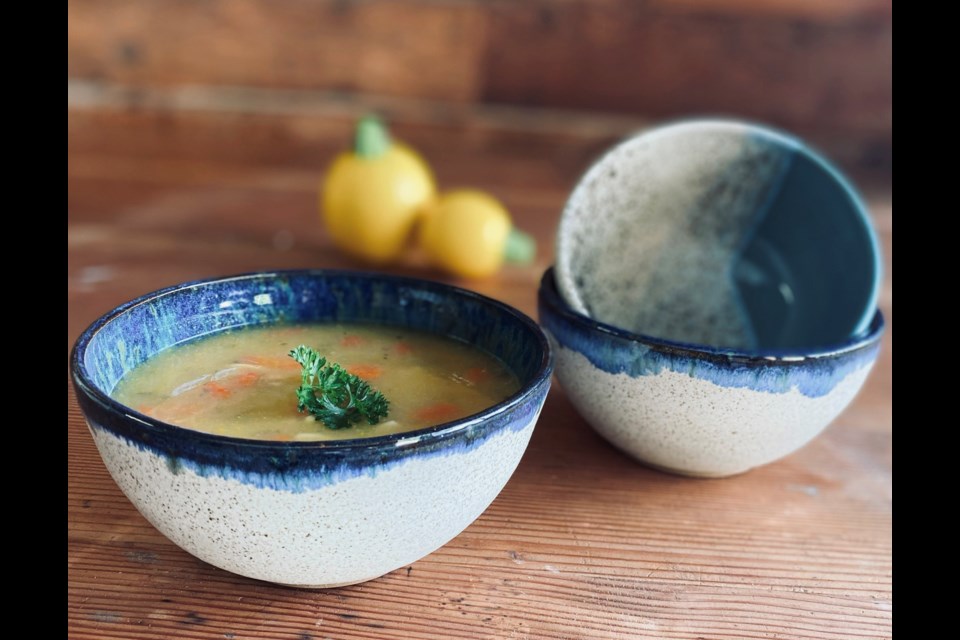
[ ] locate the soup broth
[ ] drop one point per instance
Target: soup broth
(243, 383)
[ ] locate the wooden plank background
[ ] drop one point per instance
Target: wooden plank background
(815, 67)
(198, 131)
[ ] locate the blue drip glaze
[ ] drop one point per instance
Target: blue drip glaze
(137, 330)
(296, 470)
(616, 351)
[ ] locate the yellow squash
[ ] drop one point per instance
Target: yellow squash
(470, 234)
(371, 196)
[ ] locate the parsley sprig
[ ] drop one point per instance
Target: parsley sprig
(334, 396)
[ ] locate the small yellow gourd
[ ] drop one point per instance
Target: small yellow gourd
(371, 195)
(470, 234)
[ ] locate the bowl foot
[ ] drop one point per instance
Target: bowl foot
(691, 474)
(332, 585)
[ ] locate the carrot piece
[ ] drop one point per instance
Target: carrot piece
(365, 371)
(437, 413)
(145, 409)
(402, 348)
(247, 379)
(476, 375)
(351, 340)
(282, 437)
(217, 390)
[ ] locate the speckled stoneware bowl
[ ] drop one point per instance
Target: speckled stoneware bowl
(723, 233)
(309, 514)
(697, 410)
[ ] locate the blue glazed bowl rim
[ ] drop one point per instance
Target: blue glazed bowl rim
(84, 384)
(549, 294)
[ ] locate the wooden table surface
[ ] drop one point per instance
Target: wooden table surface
(582, 543)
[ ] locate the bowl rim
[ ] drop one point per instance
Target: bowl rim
(84, 384)
(549, 294)
(735, 126)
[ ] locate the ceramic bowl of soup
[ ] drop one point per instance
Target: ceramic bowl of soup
(191, 398)
(695, 409)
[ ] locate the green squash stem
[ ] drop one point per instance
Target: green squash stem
(372, 138)
(520, 248)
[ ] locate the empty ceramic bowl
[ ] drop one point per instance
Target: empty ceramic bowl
(310, 514)
(720, 233)
(700, 410)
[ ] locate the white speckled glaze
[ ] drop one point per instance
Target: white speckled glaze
(680, 424)
(699, 411)
(351, 531)
(645, 240)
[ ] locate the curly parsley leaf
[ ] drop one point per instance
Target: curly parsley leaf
(334, 396)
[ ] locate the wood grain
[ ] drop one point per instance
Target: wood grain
(197, 136)
(793, 63)
(422, 48)
(582, 543)
(243, 126)
(663, 59)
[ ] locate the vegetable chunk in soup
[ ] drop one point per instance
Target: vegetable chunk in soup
(243, 383)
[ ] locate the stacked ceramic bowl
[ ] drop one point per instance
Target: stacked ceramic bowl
(713, 306)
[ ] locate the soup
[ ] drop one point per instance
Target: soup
(243, 383)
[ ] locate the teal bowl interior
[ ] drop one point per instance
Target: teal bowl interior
(809, 274)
